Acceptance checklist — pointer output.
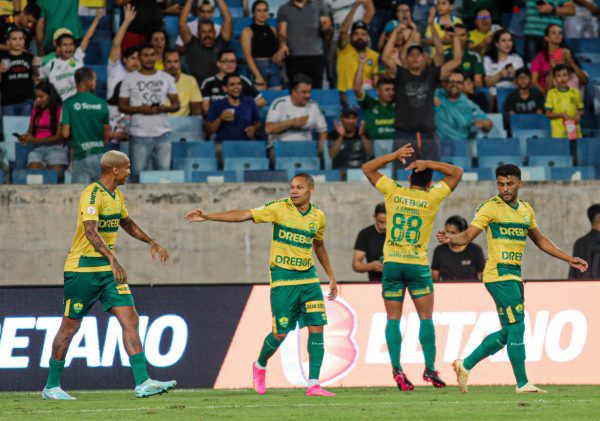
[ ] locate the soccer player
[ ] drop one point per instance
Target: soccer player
(410, 216)
(92, 273)
(296, 296)
(508, 222)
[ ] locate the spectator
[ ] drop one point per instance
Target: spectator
(540, 14)
(56, 14)
(144, 94)
(85, 123)
(206, 13)
(481, 37)
(564, 106)
(414, 90)
(524, 99)
(384, 12)
(118, 68)
(443, 25)
(588, 247)
(457, 263)
(188, 91)
(295, 117)
(584, 24)
(420, 13)
(60, 70)
(471, 62)
(301, 24)
(26, 19)
(259, 44)
(160, 41)
(9, 7)
(17, 76)
(379, 114)
(149, 18)
(202, 52)
(501, 62)
(403, 17)
(555, 52)
(49, 151)
(369, 246)
(234, 117)
(349, 146)
(212, 87)
(475, 95)
(471, 9)
(455, 115)
(350, 49)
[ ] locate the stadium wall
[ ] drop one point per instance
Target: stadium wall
(38, 223)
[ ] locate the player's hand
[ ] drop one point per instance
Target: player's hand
(118, 271)
(578, 263)
(197, 215)
(417, 165)
(157, 250)
(339, 128)
(404, 152)
(333, 290)
(443, 237)
(376, 266)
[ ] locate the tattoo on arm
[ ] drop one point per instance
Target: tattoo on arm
(91, 233)
(134, 230)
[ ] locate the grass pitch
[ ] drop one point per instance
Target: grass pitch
(563, 403)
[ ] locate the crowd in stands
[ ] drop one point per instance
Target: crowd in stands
(354, 78)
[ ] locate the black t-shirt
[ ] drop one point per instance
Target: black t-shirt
(462, 266)
(202, 61)
(371, 242)
(414, 99)
(148, 18)
(352, 153)
(212, 88)
(518, 105)
(17, 81)
(6, 24)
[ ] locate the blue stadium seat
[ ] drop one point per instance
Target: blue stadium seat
(351, 97)
(588, 153)
(271, 95)
(241, 164)
(172, 28)
(529, 122)
(192, 150)
(321, 176)
(326, 97)
(484, 91)
(459, 161)
(583, 45)
(492, 153)
(331, 110)
(479, 174)
(588, 57)
(101, 72)
(456, 147)
(188, 165)
(103, 25)
(186, 137)
(1, 177)
(534, 172)
(501, 95)
(191, 124)
(297, 164)
(244, 148)
(523, 135)
(162, 177)
(21, 154)
(236, 46)
(239, 24)
(556, 161)
(289, 149)
(266, 176)
(497, 130)
(549, 152)
(10, 125)
(382, 147)
(573, 173)
(214, 177)
(34, 177)
(356, 174)
(592, 69)
(97, 52)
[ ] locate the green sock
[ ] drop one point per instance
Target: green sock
(516, 351)
(427, 339)
(316, 352)
(491, 344)
(138, 366)
(54, 373)
(269, 347)
(394, 341)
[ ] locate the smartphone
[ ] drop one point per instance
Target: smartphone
(540, 2)
(17, 135)
(557, 55)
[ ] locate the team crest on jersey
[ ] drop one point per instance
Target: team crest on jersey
(313, 228)
(77, 307)
(283, 321)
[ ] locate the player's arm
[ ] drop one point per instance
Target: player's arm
(547, 246)
(92, 235)
(199, 215)
(452, 172)
(323, 256)
(360, 266)
(136, 232)
(372, 167)
(460, 239)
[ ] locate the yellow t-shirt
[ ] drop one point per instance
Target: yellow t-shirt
(92, 3)
(98, 204)
(569, 102)
(476, 36)
(410, 217)
(347, 66)
(507, 229)
(293, 236)
(440, 30)
(187, 91)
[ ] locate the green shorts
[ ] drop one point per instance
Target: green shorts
(291, 304)
(509, 299)
(397, 277)
(83, 289)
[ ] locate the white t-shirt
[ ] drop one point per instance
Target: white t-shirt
(193, 25)
(148, 89)
(115, 73)
(61, 73)
(340, 9)
(491, 68)
(282, 109)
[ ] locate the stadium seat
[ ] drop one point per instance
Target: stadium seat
(186, 137)
(523, 135)
(103, 25)
(1, 177)
(382, 147)
(236, 46)
(321, 176)
(459, 161)
(191, 124)
(592, 69)
(529, 122)
(455, 147)
(297, 164)
(356, 174)
(588, 153)
(34, 177)
(21, 155)
(188, 165)
(244, 148)
(351, 97)
(588, 57)
(533, 173)
(583, 45)
(270, 95)
(266, 176)
(213, 177)
(101, 73)
(326, 97)
(492, 153)
(573, 173)
(549, 152)
(501, 95)
(497, 130)
(239, 24)
(241, 164)
(289, 149)
(10, 125)
(162, 177)
(479, 174)
(192, 150)
(97, 52)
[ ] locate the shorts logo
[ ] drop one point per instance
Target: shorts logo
(123, 289)
(500, 311)
(283, 321)
(77, 307)
(519, 308)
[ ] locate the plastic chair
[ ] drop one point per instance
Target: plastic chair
(265, 176)
(188, 165)
(241, 164)
(325, 97)
(192, 150)
(162, 177)
(23, 176)
(497, 130)
(459, 161)
(573, 173)
(533, 173)
(290, 149)
(382, 147)
(529, 122)
(297, 164)
(213, 177)
(189, 124)
(501, 95)
(321, 176)
(10, 125)
(588, 153)
(244, 148)
(356, 174)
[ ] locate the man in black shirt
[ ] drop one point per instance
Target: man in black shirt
(369, 246)
(588, 247)
(25, 20)
(524, 100)
(450, 262)
(17, 75)
(349, 146)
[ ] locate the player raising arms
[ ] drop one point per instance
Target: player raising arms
(508, 222)
(410, 216)
(296, 296)
(93, 273)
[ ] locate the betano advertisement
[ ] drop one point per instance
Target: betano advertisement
(208, 336)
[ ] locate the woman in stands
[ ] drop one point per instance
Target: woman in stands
(49, 150)
(501, 63)
(160, 41)
(403, 17)
(259, 44)
(555, 52)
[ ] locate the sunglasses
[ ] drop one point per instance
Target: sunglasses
(483, 18)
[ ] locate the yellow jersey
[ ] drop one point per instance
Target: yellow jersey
(347, 66)
(569, 102)
(410, 217)
(293, 236)
(98, 204)
(441, 30)
(507, 229)
(187, 91)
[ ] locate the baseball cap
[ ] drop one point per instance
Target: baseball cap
(59, 32)
(350, 109)
(359, 25)
(412, 47)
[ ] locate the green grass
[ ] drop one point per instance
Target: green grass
(563, 403)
